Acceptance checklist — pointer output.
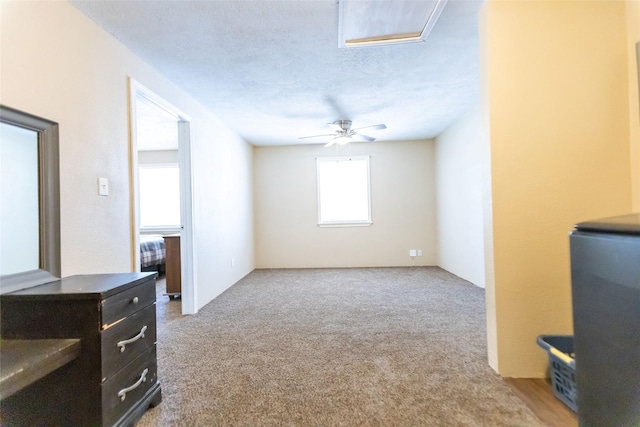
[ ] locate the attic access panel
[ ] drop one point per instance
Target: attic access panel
(371, 22)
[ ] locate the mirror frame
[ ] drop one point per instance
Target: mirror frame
(49, 201)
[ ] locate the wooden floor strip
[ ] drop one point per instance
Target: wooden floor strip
(538, 395)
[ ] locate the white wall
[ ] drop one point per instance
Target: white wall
(222, 187)
(403, 211)
(57, 64)
(459, 199)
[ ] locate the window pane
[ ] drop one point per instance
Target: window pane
(159, 196)
(343, 190)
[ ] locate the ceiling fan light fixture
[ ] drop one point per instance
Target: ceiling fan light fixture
(344, 134)
(342, 140)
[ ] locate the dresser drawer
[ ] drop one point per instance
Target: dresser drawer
(125, 303)
(128, 386)
(126, 340)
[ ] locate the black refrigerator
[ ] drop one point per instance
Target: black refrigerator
(605, 286)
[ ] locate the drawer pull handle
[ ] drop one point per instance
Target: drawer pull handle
(122, 394)
(135, 300)
(123, 343)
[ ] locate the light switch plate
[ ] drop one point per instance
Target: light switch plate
(103, 186)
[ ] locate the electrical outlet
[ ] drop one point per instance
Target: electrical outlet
(412, 252)
(419, 252)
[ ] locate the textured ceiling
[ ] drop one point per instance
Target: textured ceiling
(273, 72)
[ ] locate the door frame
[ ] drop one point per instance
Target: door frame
(187, 253)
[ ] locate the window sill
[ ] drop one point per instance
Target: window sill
(160, 230)
(346, 224)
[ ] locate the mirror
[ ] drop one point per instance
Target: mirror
(19, 215)
(29, 200)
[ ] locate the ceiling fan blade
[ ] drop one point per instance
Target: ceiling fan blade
(373, 127)
(363, 137)
(330, 143)
(317, 136)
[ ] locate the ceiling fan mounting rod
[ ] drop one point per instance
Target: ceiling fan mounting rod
(344, 124)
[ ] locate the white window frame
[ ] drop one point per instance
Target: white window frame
(346, 222)
(168, 228)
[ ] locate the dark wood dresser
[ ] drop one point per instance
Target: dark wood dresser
(114, 380)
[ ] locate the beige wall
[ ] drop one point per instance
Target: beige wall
(557, 86)
(402, 206)
(633, 37)
(459, 198)
(56, 63)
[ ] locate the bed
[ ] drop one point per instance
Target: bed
(152, 252)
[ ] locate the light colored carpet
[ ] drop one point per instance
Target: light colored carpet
(335, 347)
(167, 310)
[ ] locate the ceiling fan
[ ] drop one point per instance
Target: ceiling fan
(344, 134)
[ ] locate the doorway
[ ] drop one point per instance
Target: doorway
(160, 171)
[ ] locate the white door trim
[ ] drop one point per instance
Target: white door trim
(187, 253)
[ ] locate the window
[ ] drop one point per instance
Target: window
(159, 196)
(343, 191)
